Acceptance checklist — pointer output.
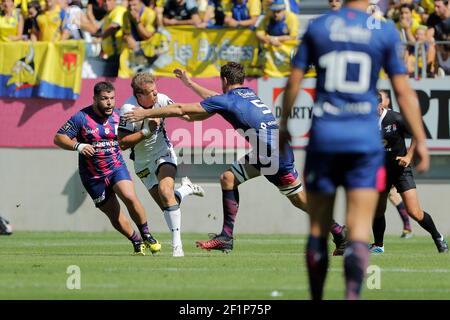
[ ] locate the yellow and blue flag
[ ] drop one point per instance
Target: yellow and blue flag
(41, 69)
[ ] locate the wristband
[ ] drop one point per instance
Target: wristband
(81, 146)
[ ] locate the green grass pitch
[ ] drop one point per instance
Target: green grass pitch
(33, 265)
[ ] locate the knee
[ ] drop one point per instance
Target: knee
(299, 200)
(416, 214)
(129, 199)
(227, 180)
(166, 194)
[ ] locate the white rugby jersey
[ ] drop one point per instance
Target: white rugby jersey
(157, 143)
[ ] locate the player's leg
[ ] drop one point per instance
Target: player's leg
(320, 207)
(423, 218)
(166, 181)
(379, 225)
(188, 188)
(229, 181)
(406, 186)
(106, 201)
(321, 189)
(288, 182)
(124, 188)
(120, 222)
(364, 178)
(396, 200)
(361, 205)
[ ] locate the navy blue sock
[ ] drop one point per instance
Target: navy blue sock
(135, 237)
(317, 262)
(230, 202)
(143, 229)
(356, 259)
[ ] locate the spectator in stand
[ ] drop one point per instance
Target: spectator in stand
(407, 26)
(291, 6)
(34, 8)
(394, 8)
(79, 25)
(242, 13)
(428, 6)
(11, 22)
(139, 24)
(439, 21)
(211, 13)
(439, 29)
(158, 6)
(96, 10)
(51, 23)
(111, 30)
(181, 12)
(335, 4)
(25, 5)
(278, 26)
(430, 53)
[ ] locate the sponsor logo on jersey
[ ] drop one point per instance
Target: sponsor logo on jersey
(92, 131)
(67, 126)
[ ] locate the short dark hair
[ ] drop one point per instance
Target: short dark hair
(103, 86)
(407, 6)
(233, 72)
(444, 1)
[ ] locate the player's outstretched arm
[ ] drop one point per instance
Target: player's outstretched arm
(198, 89)
(64, 142)
(177, 110)
(290, 95)
(409, 106)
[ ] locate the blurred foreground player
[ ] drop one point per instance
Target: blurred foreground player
(345, 148)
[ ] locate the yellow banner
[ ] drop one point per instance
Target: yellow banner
(199, 51)
(277, 60)
(41, 69)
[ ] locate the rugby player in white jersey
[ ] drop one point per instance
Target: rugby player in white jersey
(155, 162)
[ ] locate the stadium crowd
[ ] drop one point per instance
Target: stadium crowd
(110, 26)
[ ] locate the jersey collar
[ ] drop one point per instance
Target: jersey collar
(383, 114)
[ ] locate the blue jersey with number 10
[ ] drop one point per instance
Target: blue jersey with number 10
(348, 48)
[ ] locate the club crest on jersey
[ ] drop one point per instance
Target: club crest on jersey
(107, 130)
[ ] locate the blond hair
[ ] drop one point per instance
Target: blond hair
(140, 79)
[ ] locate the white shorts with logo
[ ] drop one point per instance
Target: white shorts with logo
(148, 171)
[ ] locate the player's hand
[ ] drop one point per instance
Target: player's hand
(137, 114)
(284, 138)
(182, 75)
(403, 161)
(422, 156)
(86, 150)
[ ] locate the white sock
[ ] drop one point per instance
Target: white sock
(184, 191)
(173, 219)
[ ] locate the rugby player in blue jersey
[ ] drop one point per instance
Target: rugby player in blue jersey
(102, 169)
(244, 110)
(348, 51)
